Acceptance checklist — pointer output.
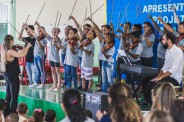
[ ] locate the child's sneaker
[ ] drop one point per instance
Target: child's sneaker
(41, 86)
(33, 85)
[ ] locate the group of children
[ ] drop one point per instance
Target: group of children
(21, 115)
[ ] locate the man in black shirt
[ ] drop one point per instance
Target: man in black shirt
(30, 68)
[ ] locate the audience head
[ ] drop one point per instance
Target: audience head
(50, 116)
(38, 115)
(13, 117)
(71, 104)
(154, 91)
(126, 110)
(164, 98)
(158, 116)
(88, 113)
(118, 92)
(22, 108)
(177, 110)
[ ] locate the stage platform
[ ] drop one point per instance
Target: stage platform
(38, 98)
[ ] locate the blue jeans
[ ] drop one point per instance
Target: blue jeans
(40, 68)
(107, 75)
(30, 69)
(71, 73)
(62, 60)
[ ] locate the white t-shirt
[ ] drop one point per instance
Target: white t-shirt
(21, 118)
(147, 51)
(160, 49)
(70, 58)
(53, 53)
(109, 52)
(137, 50)
(88, 60)
(37, 50)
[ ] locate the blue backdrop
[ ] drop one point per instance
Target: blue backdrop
(136, 11)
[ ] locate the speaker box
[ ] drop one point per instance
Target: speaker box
(95, 101)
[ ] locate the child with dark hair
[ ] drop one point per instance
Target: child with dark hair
(22, 110)
(62, 51)
(88, 113)
(38, 115)
(71, 58)
(71, 104)
(2, 107)
(50, 116)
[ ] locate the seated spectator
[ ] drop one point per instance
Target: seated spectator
(38, 115)
(177, 110)
(158, 116)
(13, 117)
(22, 110)
(50, 116)
(165, 97)
(71, 104)
(88, 113)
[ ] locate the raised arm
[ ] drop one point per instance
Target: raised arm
(76, 24)
(94, 24)
(169, 28)
(154, 23)
(31, 31)
(17, 54)
(98, 34)
(43, 30)
(175, 15)
(21, 32)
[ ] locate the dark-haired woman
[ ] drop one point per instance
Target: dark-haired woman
(71, 104)
(10, 66)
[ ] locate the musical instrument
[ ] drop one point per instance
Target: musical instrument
(85, 43)
(56, 19)
(17, 47)
(72, 9)
(180, 37)
(40, 12)
(132, 46)
(107, 46)
(138, 69)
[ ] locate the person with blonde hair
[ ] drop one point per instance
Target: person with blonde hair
(164, 98)
(158, 116)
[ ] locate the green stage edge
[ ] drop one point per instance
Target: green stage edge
(33, 103)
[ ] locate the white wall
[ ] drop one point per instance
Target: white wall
(48, 16)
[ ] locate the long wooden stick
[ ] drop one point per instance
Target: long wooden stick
(112, 12)
(125, 12)
(90, 10)
(167, 4)
(40, 12)
(16, 31)
(56, 19)
(151, 11)
(83, 21)
(27, 18)
(97, 10)
(59, 20)
(72, 9)
(118, 19)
